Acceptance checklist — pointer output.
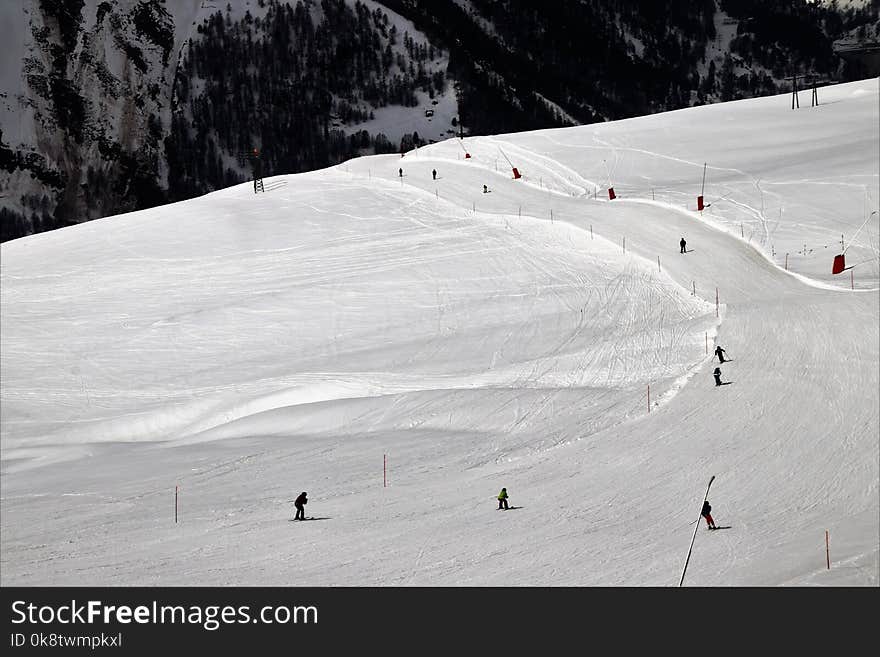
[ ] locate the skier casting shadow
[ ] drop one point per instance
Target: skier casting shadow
(502, 499)
(706, 512)
(717, 375)
(300, 503)
(683, 244)
(720, 353)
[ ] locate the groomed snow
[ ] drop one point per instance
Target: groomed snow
(249, 347)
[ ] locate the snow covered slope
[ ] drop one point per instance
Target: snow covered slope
(248, 347)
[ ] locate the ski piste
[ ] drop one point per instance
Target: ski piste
(696, 527)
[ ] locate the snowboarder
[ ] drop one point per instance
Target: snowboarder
(434, 173)
(400, 172)
(502, 499)
(485, 189)
(300, 503)
(720, 353)
(717, 374)
(707, 514)
(683, 244)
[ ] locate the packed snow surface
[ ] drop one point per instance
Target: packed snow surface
(402, 346)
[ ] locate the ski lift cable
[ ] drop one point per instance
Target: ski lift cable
(864, 223)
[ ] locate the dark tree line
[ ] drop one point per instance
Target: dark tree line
(285, 85)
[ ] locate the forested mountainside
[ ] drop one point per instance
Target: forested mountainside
(124, 104)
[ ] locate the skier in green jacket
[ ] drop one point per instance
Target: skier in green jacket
(502, 499)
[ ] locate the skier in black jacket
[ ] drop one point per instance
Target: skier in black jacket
(717, 374)
(682, 245)
(300, 503)
(707, 514)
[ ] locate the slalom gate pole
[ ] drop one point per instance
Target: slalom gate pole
(705, 497)
(176, 490)
(649, 397)
(827, 552)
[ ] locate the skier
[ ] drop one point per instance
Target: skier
(502, 499)
(707, 514)
(400, 172)
(682, 244)
(720, 353)
(300, 503)
(485, 189)
(717, 374)
(434, 173)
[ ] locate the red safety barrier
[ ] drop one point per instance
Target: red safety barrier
(700, 203)
(516, 173)
(839, 264)
(467, 156)
(611, 195)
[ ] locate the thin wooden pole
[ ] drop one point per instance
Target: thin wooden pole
(716, 303)
(695, 287)
(786, 262)
(827, 552)
(384, 471)
(649, 397)
(696, 527)
(624, 243)
(176, 492)
(707, 342)
(658, 264)
(852, 284)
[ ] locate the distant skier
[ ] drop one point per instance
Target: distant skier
(434, 173)
(707, 514)
(717, 374)
(300, 503)
(502, 499)
(400, 172)
(720, 353)
(682, 244)
(485, 189)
